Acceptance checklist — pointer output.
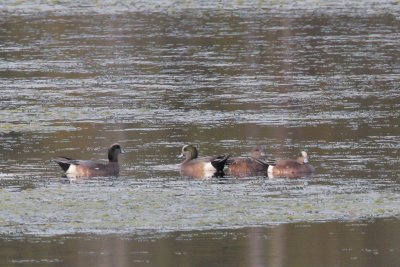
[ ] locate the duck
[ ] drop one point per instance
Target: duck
(291, 168)
(87, 168)
(253, 165)
(201, 167)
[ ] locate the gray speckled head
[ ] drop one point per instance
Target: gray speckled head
(257, 152)
(189, 152)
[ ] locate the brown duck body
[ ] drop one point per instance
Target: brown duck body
(86, 168)
(248, 166)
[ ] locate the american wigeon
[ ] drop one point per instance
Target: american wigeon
(88, 168)
(248, 166)
(291, 168)
(203, 167)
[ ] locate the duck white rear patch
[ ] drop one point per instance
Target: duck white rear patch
(71, 169)
(209, 167)
(270, 169)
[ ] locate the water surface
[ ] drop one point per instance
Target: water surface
(315, 76)
(372, 243)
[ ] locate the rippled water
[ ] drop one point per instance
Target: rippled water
(304, 75)
(347, 244)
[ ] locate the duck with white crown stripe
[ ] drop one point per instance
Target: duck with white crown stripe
(290, 168)
(201, 167)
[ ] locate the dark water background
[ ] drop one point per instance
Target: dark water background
(153, 76)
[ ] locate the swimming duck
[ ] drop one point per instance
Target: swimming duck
(248, 166)
(201, 167)
(291, 168)
(88, 168)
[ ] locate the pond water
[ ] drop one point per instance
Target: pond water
(154, 76)
(304, 244)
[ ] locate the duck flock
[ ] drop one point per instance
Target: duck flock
(197, 167)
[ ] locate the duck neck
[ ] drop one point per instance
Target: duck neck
(113, 156)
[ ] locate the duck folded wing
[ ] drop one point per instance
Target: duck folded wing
(65, 163)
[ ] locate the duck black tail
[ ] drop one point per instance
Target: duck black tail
(63, 162)
(219, 162)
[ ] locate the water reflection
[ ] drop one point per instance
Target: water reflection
(347, 244)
